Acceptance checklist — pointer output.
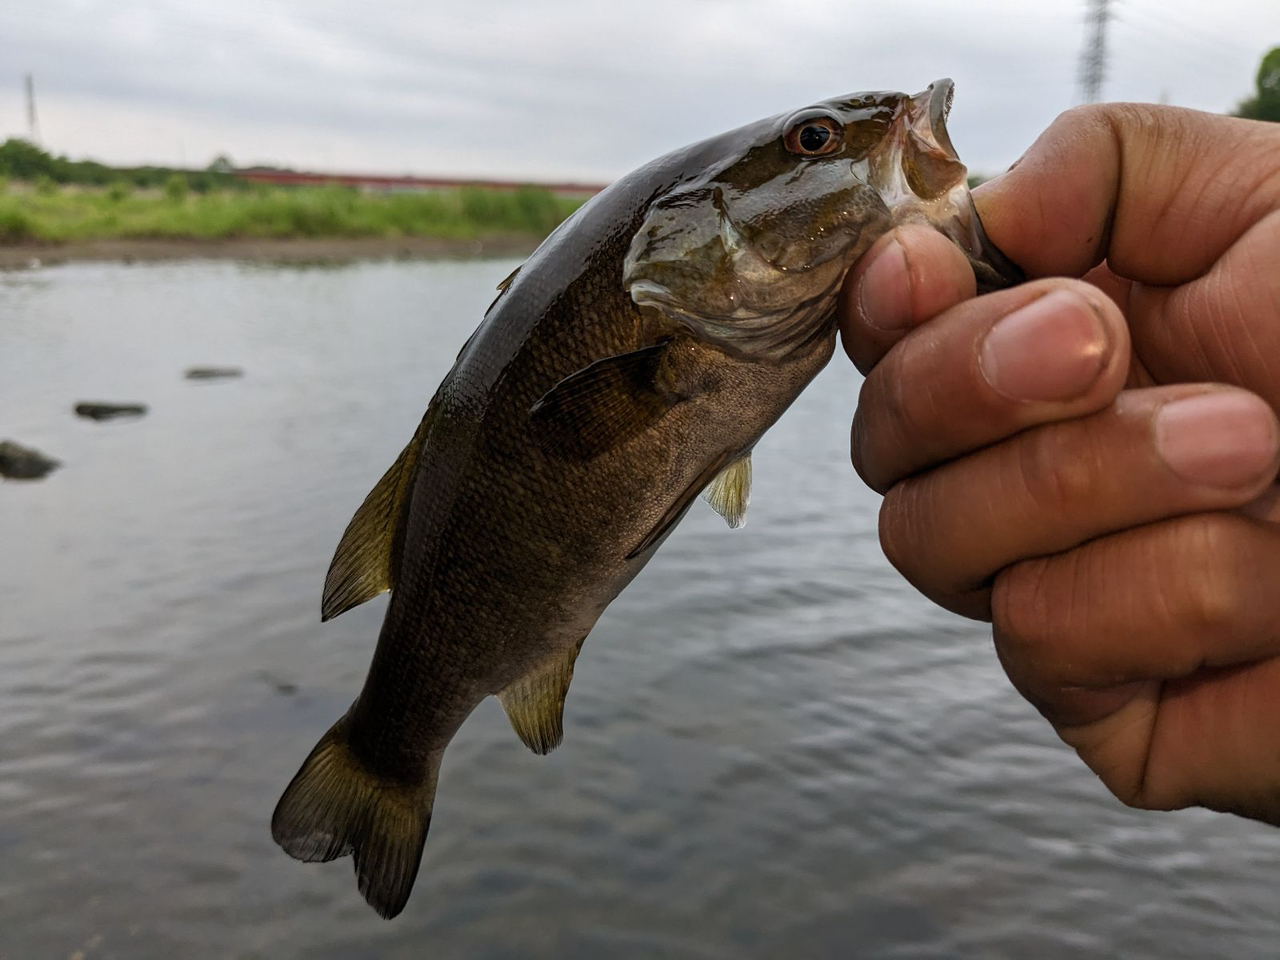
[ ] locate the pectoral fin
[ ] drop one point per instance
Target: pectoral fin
(364, 564)
(730, 492)
(606, 403)
(535, 703)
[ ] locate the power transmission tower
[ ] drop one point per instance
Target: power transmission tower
(33, 124)
(1093, 59)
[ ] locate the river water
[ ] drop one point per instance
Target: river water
(773, 747)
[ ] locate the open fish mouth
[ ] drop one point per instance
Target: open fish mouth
(940, 93)
(934, 181)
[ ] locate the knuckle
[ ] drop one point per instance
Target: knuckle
(1021, 605)
(1042, 608)
(863, 443)
(899, 528)
(1158, 795)
(1123, 750)
(1087, 115)
(1110, 118)
(912, 398)
(1051, 469)
(1208, 602)
(892, 424)
(920, 544)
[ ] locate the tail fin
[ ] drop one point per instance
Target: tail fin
(334, 806)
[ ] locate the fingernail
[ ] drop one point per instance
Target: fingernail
(1220, 439)
(1052, 349)
(884, 294)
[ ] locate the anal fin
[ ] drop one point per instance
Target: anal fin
(730, 492)
(535, 703)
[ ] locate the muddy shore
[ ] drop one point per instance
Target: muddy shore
(301, 250)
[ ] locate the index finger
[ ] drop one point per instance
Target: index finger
(1158, 192)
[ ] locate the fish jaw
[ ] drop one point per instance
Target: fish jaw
(922, 180)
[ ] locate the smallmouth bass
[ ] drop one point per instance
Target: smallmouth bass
(630, 364)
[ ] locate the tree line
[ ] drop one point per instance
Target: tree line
(1265, 103)
(23, 160)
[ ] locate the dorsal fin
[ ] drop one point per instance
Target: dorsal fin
(535, 703)
(363, 566)
(730, 492)
(502, 288)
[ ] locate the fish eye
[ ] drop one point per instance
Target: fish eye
(814, 136)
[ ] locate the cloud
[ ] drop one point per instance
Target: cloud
(564, 88)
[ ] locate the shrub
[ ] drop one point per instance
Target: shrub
(537, 209)
(176, 187)
(15, 226)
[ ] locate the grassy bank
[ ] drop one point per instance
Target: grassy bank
(48, 214)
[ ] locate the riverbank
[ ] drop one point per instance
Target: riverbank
(50, 224)
(271, 250)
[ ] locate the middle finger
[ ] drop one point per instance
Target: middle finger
(1156, 453)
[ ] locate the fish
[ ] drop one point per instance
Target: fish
(628, 366)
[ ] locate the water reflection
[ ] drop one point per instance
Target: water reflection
(773, 748)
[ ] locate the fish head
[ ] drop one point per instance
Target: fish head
(749, 251)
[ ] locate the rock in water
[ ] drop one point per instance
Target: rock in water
(23, 463)
(213, 373)
(110, 411)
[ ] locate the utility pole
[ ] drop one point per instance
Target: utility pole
(1093, 58)
(33, 124)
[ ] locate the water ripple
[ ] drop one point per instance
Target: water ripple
(773, 747)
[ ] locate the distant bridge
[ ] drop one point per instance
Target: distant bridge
(294, 178)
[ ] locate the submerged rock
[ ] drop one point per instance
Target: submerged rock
(109, 411)
(213, 373)
(280, 686)
(23, 463)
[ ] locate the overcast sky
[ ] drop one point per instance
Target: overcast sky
(563, 89)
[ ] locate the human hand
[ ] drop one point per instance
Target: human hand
(1090, 463)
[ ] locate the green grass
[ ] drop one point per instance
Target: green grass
(57, 215)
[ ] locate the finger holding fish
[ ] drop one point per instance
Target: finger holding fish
(985, 370)
(909, 276)
(1124, 556)
(952, 529)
